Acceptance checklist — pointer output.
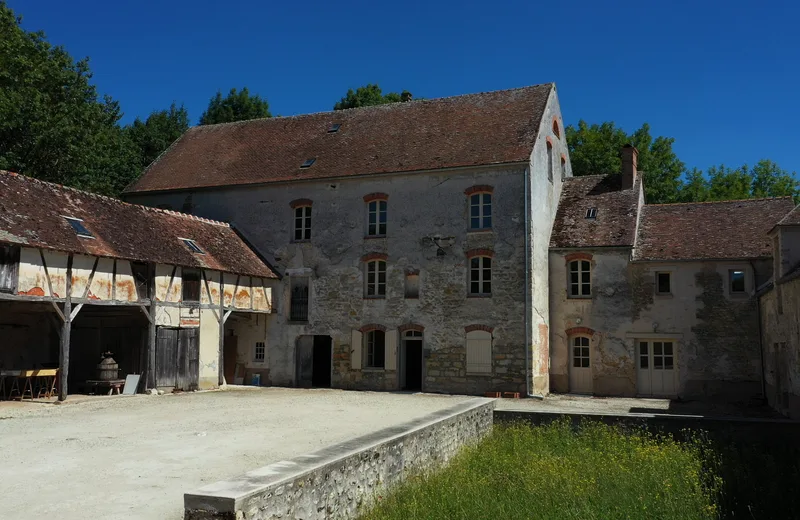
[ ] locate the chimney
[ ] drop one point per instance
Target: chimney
(630, 163)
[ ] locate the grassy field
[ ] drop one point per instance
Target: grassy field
(558, 472)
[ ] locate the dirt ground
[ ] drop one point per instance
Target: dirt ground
(134, 457)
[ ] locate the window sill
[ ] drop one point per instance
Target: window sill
(371, 237)
(373, 369)
(303, 241)
(479, 296)
(411, 298)
(297, 322)
(374, 297)
(589, 297)
(478, 231)
(664, 296)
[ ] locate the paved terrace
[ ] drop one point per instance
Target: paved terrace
(134, 457)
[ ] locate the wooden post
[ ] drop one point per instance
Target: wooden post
(221, 362)
(150, 378)
(65, 333)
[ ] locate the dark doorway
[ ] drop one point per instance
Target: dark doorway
(413, 368)
(177, 358)
(229, 357)
(322, 362)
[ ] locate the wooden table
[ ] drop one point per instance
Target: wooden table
(113, 385)
(36, 383)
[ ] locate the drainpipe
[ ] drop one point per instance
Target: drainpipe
(760, 337)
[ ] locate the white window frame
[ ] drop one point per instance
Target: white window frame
(260, 352)
(376, 209)
(371, 343)
(373, 267)
(578, 342)
(580, 283)
(481, 210)
(478, 274)
(301, 219)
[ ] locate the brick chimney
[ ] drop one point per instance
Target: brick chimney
(630, 163)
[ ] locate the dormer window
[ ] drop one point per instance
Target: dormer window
(80, 229)
(591, 213)
(308, 162)
(334, 128)
(192, 245)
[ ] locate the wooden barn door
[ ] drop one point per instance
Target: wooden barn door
(178, 358)
(166, 358)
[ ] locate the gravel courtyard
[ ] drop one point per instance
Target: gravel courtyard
(134, 457)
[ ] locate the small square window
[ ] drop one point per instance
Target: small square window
(308, 162)
(334, 128)
(591, 213)
(663, 283)
(736, 278)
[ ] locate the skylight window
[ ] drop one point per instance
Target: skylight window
(192, 245)
(591, 213)
(308, 163)
(80, 229)
(334, 128)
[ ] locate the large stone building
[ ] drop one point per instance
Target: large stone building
(412, 238)
(443, 245)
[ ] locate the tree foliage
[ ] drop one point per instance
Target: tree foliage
(53, 123)
(154, 135)
(370, 95)
(595, 149)
(236, 106)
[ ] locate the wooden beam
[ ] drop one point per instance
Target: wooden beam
(225, 317)
(146, 313)
(47, 273)
(221, 362)
(58, 311)
(208, 291)
(65, 333)
(150, 369)
(91, 278)
(75, 311)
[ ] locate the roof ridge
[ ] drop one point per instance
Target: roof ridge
(382, 106)
(757, 199)
(55, 185)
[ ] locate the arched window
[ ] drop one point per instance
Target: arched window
(556, 128)
(563, 167)
(376, 279)
(412, 334)
(549, 161)
(580, 279)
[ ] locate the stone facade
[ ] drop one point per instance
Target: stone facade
(427, 234)
(342, 480)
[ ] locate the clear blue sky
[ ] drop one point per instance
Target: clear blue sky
(722, 77)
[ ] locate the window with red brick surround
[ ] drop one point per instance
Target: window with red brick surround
(372, 326)
(486, 328)
(479, 274)
(411, 326)
(301, 202)
(480, 201)
(556, 127)
(579, 331)
(369, 197)
(577, 256)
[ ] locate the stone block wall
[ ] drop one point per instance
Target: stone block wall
(342, 480)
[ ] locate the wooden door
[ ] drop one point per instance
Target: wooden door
(230, 351)
(188, 361)
(656, 372)
(580, 367)
(166, 357)
(304, 356)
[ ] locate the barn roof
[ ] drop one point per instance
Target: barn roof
(34, 213)
(474, 129)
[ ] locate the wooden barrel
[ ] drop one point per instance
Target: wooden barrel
(107, 369)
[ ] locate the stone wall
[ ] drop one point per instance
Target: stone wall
(715, 333)
(780, 327)
(342, 480)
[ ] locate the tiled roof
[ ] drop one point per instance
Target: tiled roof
(32, 213)
(709, 230)
(474, 129)
(615, 221)
(792, 219)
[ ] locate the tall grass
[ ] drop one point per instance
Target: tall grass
(559, 472)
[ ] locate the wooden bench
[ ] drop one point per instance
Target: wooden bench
(114, 385)
(37, 383)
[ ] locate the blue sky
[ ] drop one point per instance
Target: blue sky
(719, 76)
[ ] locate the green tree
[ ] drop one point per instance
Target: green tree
(729, 183)
(770, 180)
(53, 124)
(596, 149)
(155, 134)
(236, 106)
(695, 187)
(370, 95)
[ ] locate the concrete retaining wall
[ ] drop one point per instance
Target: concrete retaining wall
(337, 481)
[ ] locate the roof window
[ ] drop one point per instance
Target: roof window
(591, 213)
(308, 163)
(192, 245)
(334, 128)
(80, 229)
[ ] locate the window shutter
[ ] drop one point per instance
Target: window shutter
(479, 352)
(391, 350)
(356, 347)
